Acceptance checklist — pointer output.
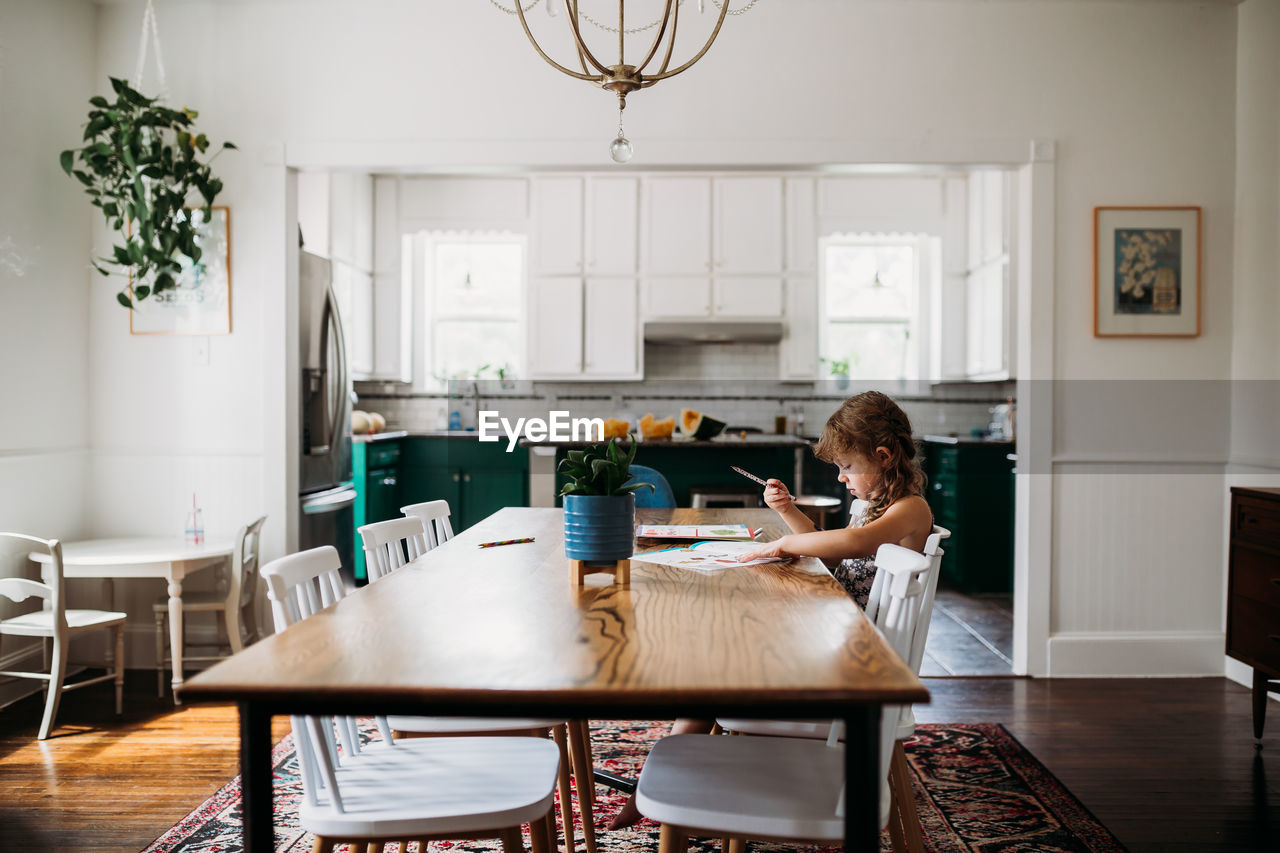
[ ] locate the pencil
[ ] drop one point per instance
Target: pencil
(505, 542)
(751, 476)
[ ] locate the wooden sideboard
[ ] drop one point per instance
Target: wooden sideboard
(1253, 591)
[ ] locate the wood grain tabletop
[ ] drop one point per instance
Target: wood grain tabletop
(485, 630)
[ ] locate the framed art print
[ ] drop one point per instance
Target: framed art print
(200, 304)
(1146, 280)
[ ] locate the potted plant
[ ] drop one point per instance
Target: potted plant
(840, 370)
(599, 503)
(140, 164)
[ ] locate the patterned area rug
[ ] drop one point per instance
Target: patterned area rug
(977, 791)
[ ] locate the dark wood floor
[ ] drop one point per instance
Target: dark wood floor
(969, 634)
(1166, 764)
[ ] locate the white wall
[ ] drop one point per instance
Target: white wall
(1139, 96)
(44, 274)
(1255, 363)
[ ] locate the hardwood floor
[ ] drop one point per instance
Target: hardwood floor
(1166, 764)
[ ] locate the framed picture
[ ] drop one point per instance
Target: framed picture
(1146, 275)
(201, 302)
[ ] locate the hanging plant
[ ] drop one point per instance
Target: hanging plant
(140, 165)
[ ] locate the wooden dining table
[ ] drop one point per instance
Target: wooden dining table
(466, 630)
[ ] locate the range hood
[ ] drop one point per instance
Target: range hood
(702, 331)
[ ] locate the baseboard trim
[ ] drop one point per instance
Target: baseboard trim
(1153, 654)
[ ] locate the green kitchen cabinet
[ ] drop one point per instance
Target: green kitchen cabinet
(969, 494)
(476, 478)
(375, 468)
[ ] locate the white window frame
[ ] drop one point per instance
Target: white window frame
(421, 270)
(924, 247)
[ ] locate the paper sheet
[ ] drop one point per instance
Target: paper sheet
(704, 556)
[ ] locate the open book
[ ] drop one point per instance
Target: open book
(704, 556)
(697, 531)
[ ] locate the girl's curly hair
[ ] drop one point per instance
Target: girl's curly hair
(864, 422)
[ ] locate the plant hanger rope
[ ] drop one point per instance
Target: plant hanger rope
(150, 33)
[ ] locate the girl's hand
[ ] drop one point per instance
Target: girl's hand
(776, 496)
(776, 548)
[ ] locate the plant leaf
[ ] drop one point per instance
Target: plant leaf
(123, 299)
(67, 158)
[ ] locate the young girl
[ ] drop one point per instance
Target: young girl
(869, 440)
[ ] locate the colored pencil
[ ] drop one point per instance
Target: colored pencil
(751, 476)
(505, 542)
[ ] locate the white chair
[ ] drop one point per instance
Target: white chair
(54, 622)
(389, 545)
(435, 520)
(407, 790)
(899, 775)
(777, 788)
(235, 597)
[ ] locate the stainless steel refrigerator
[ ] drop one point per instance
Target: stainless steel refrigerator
(326, 492)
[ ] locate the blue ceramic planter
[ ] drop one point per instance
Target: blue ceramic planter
(598, 527)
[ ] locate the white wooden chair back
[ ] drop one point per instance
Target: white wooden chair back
(301, 585)
(51, 591)
(435, 520)
(388, 545)
(242, 580)
(894, 607)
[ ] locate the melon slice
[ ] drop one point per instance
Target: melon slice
(698, 425)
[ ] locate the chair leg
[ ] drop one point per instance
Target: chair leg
(560, 734)
(903, 799)
(119, 670)
(322, 845)
(57, 674)
(672, 840)
(161, 630)
(231, 619)
(582, 776)
(512, 842)
(538, 834)
(582, 730)
(737, 845)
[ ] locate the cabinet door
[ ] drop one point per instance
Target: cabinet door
(798, 353)
(611, 226)
(801, 225)
(485, 491)
(676, 297)
(555, 327)
(676, 238)
(748, 297)
(557, 226)
(748, 225)
(612, 329)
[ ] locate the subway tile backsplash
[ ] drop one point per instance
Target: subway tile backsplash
(721, 380)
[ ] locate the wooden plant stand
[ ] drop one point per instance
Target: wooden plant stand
(620, 569)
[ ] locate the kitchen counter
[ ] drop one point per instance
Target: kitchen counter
(751, 440)
(965, 440)
(379, 436)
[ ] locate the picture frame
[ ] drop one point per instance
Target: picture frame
(1146, 273)
(201, 302)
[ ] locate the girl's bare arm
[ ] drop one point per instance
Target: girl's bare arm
(777, 498)
(902, 523)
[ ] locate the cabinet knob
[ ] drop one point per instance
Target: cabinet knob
(466, 478)
(457, 478)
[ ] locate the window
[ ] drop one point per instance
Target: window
(474, 286)
(871, 292)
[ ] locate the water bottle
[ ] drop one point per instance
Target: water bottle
(455, 420)
(195, 524)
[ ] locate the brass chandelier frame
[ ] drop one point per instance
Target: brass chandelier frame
(624, 78)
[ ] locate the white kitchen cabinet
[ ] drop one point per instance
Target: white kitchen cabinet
(583, 328)
(611, 344)
(748, 225)
(798, 351)
(611, 227)
(801, 225)
(557, 226)
(555, 326)
(676, 298)
(746, 296)
(676, 234)
(988, 294)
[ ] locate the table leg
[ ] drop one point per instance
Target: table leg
(175, 634)
(862, 778)
(255, 778)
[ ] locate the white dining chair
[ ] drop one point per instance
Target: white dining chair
(398, 791)
(903, 800)
(235, 597)
(392, 544)
(55, 624)
(775, 787)
(435, 520)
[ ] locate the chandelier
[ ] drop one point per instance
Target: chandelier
(623, 77)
